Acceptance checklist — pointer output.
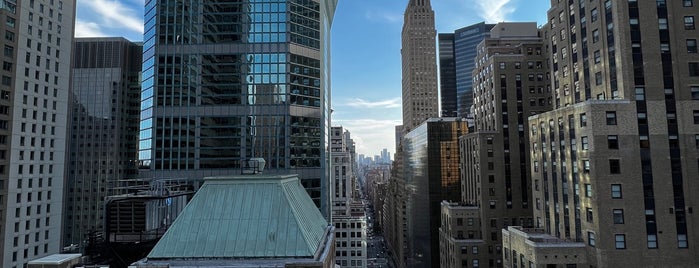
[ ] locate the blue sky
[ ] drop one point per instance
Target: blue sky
(366, 64)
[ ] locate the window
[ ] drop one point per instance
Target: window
(665, 47)
(597, 57)
(594, 14)
(6, 80)
(643, 141)
(583, 117)
(614, 166)
(662, 23)
(588, 190)
(474, 250)
(616, 191)
(620, 241)
(640, 93)
(586, 166)
(652, 241)
(691, 45)
(682, 241)
(687, 3)
(584, 143)
(9, 51)
(588, 212)
(613, 142)
(618, 216)
(591, 239)
(689, 22)
(694, 69)
(696, 140)
(475, 263)
(10, 36)
(642, 118)
(611, 118)
(595, 36)
(598, 79)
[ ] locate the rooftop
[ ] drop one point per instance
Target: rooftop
(56, 259)
(246, 217)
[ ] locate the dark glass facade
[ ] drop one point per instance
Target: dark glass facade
(447, 75)
(465, 41)
(227, 81)
(431, 170)
(103, 130)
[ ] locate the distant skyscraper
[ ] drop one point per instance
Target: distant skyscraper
(385, 156)
(456, 56)
(103, 131)
(419, 65)
(253, 80)
(35, 80)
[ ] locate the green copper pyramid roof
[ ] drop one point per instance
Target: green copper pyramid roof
(245, 217)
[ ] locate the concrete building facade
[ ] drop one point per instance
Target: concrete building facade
(350, 223)
(613, 165)
(103, 132)
(532, 247)
(252, 82)
(419, 63)
(34, 94)
(510, 84)
(461, 241)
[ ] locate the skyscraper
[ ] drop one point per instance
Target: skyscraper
(431, 175)
(420, 91)
(615, 161)
(510, 84)
(103, 130)
(456, 53)
(34, 85)
(447, 75)
(224, 82)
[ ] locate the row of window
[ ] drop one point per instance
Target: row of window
(651, 241)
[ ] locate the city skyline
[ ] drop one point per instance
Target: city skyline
(366, 100)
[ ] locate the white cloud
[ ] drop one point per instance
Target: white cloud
(361, 103)
(450, 13)
(114, 14)
(87, 29)
(371, 135)
(494, 11)
(380, 15)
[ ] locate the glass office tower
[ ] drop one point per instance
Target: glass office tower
(227, 81)
(103, 128)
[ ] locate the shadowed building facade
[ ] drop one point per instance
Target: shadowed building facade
(226, 81)
(104, 131)
(430, 175)
(510, 84)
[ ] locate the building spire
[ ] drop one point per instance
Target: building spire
(420, 3)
